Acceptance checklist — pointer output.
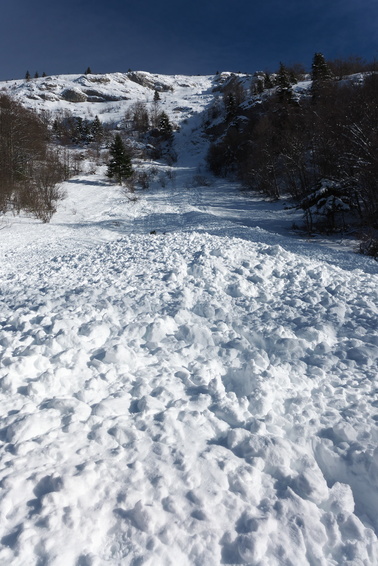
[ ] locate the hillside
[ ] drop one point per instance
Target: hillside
(184, 380)
(108, 96)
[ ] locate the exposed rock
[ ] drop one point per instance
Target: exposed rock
(148, 81)
(73, 95)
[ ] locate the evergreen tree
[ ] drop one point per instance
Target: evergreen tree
(86, 132)
(231, 106)
(284, 90)
(165, 127)
(36, 76)
(88, 71)
(78, 130)
(156, 96)
(293, 77)
(259, 87)
(320, 71)
(321, 76)
(97, 130)
(119, 167)
(268, 83)
(27, 76)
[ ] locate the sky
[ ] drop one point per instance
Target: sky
(180, 37)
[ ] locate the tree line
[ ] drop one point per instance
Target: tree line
(320, 147)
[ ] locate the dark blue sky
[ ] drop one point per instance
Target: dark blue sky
(177, 37)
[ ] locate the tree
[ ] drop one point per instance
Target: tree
(88, 71)
(257, 87)
(341, 68)
(29, 172)
(140, 119)
(156, 96)
(230, 105)
(165, 127)
(78, 130)
(268, 83)
(97, 129)
(320, 71)
(321, 76)
(119, 167)
(44, 190)
(27, 76)
(284, 90)
(323, 152)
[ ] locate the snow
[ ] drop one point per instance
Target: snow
(114, 94)
(202, 395)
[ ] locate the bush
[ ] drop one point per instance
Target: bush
(29, 170)
(369, 244)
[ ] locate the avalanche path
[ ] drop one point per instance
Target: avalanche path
(203, 395)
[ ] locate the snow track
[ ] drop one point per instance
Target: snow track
(190, 399)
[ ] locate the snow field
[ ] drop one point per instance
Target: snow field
(191, 399)
(181, 96)
(204, 395)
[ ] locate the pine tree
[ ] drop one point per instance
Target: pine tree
(257, 87)
(119, 167)
(156, 96)
(268, 83)
(321, 76)
(88, 71)
(231, 106)
(293, 77)
(284, 90)
(77, 130)
(320, 71)
(165, 127)
(36, 75)
(27, 76)
(97, 130)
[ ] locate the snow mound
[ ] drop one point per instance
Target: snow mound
(191, 399)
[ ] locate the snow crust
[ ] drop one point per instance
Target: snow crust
(203, 395)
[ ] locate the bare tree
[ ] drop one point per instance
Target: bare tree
(28, 169)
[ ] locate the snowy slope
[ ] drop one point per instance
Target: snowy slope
(204, 395)
(109, 96)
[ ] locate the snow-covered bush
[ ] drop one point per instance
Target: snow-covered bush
(327, 207)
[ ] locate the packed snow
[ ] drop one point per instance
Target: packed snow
(184, 381)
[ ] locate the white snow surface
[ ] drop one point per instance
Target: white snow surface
(203, 395)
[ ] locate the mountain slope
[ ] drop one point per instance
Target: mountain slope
(202, 395)
(108, 96)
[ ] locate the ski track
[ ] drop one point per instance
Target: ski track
(201, 396)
